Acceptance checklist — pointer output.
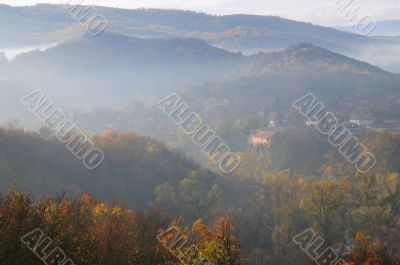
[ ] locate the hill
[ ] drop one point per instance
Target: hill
(273, 81)
(109, 49)
(113, 69)
(305, 54)
(301, 69)
(134, 167)
(246, 33)
(173, 23)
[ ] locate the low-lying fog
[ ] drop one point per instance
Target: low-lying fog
(12, 52)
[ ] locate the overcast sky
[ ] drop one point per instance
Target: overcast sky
(321, 12)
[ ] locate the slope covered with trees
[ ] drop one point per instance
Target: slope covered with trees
(133, 167)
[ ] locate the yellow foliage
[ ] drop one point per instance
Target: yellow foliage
(100, 210)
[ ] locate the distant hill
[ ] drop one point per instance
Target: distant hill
(173, 23)
(19, 24)
(236, 32)
(273, 81)
(245, 33)
(305, 54)
(113, 69)
(109, 49)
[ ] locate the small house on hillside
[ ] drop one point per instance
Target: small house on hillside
(361, 120)
(261, 137)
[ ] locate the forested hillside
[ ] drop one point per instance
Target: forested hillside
(134, 166)
(263, 206)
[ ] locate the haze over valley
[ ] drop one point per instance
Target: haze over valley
(250, 137)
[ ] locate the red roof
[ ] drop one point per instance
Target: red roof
(266, 134)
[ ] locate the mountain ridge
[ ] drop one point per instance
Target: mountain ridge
(249, 34)
(121, 50)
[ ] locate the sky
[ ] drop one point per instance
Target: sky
(322, 12)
